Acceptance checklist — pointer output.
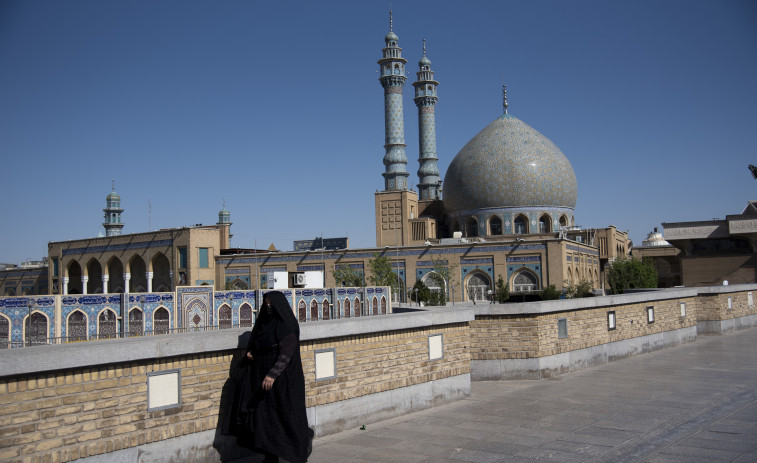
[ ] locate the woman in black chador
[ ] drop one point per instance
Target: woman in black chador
(274, 411)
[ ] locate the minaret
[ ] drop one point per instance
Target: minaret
(224, 224)
(429, 185)
(392, 70)
(113, 212)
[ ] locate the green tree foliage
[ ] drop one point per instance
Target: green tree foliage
(550, 293)
(423, 294)
(381, 272)
(631, 274)
(578, 290)
(344, 275)
(441, 275)
(502, 292)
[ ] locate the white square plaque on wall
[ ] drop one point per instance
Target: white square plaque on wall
(435, 347)
(163, 390)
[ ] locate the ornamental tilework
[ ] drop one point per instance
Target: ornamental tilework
(509, 164)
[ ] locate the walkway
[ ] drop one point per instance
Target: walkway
(691, 403)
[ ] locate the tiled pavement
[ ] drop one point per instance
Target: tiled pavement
(692, 403)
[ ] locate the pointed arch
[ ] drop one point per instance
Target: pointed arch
(5, 331)
(545, 224)
(106, 324)
(245, 315)
(313, 310)
(161, 277)
(136, 322)
(471, 227)
(73, 269)
(302, 311)
(115, 275)
(138, 271)
(383, 304)
(76, 326)
(36, 329)
(224, 317)
(347, 308)
(495, 225)
(325, 310)
(374, 303)
(520, 225)
(95, 274)
(525, 280)
(477, 284)
(358, 308)
(563, 221)
(161, 321)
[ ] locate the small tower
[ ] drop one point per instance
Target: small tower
(392, 71)
(113, 212)
(429, 184)
(224, 223)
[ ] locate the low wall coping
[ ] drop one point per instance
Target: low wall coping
(50, 358)
(565, 305)
(727, 289)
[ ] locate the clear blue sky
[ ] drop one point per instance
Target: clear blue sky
(276, 108)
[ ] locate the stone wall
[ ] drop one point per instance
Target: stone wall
(67, 402)
(727, 308)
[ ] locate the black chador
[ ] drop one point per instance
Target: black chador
(271, 411)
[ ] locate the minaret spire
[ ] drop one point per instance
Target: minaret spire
(112, 224)
(392, 72)
(429, 185)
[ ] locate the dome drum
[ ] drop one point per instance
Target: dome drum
(494, 222)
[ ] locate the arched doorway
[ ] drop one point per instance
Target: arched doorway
(95, 282)
(138, 271)
(74, 278)
(224, 317)
(434, 282)
(245, 315)
(161, 321)
(36, 329)
(471, 227)
(5, 332)
(477, 286)
(161, 270)
(115, 276)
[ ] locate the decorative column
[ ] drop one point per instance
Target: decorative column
(127, 278)
(84, 280)
(105, 283)
(65, 285)
(149, 281)
(392, 72)
(429, 184)
(170, 278)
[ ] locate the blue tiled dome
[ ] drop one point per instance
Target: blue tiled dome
(509, 164)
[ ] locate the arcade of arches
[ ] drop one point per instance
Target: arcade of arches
(116, 276)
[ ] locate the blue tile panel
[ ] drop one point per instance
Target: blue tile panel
(119, 247)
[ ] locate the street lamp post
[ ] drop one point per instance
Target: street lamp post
(491, 296)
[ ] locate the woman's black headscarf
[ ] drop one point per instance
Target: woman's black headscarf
(282, 309)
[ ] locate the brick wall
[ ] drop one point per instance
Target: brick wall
(62, 414)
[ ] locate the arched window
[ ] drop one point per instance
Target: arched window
(520, 225)
(563, 221)
(5, 331)
(106, 324)
(495, 226)
(302, 311)
(313, 310)
(77, 326)
(545, 224)
(245, 315)
(383, 305)
(326, 315)
(433, 282)
(478, 284)
(347, 308)
(375, 305)
(359, 308)
(135, 322)
(224, 317)
(160, 321)
(570, 276)
(525, 281)
(471, 227)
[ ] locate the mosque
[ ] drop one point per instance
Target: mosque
(504, 210)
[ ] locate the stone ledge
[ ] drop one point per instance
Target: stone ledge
(49, 358)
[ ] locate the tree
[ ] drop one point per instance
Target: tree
(502, 292)
(550, 293)
(578, 290)
(381, 272)
(344, 275)
(631, 274)
(423, 294)
(441, 275)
